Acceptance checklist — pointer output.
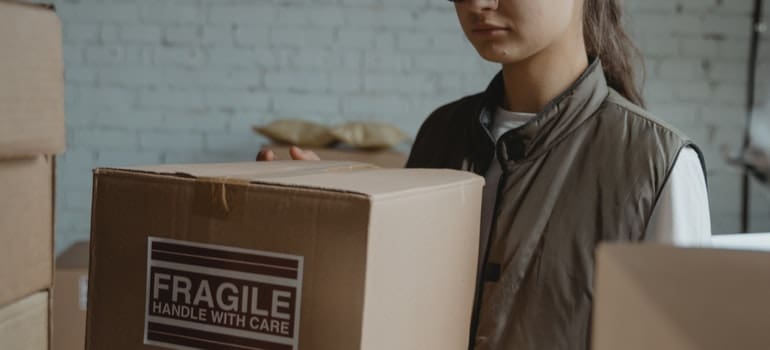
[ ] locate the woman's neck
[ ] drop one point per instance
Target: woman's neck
(533, 82)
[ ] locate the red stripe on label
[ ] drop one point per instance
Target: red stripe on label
(224, 264)
(206, 340)
(229, 255)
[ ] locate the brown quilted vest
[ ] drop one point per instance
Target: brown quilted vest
(588, 168)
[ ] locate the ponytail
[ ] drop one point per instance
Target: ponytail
(606, 39)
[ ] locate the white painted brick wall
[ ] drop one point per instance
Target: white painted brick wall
(151, 81)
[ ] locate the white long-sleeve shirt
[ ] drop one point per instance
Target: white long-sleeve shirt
(680, 217)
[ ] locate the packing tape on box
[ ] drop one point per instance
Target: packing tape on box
(218, 199)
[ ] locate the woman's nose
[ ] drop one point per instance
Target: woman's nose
(480, 5)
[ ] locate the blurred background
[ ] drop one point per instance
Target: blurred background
(165, 81)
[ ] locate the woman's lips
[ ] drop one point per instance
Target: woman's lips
(489, 31)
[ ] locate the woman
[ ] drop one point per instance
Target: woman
(570, 159)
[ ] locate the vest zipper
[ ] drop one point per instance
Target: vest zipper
(480, 280)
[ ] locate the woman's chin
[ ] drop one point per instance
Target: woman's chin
(499, 54)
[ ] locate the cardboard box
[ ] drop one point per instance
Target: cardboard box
(31, 81)
(70, 297)
(24, 324)
(31, 131)
(282, 255)
(659, 297)
(26, 227)
(380, 158)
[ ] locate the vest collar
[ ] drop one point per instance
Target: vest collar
(559, 117)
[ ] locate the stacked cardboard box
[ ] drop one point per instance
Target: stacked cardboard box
(69, 302)
(282, 255)
(31, 132)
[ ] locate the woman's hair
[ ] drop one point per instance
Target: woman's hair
(606, 39)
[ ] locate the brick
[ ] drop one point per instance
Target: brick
(302, 105)
(296, 81)
(259, 15)
(73, 55)
(79, 75)
(437, 19)
(109, 34)
(303, 38)
(140, 34)
(106, 96)
(358, 39)
(729, 71)
(650, 6)
(233, 57)
(189, 57)
(211, 78)
(103, 139)
(99, 12)
(685, 69)
(139, 55)
(722, 116)
(692, 91)
(399, 84)
(326, 59)
(731, 26)
(154, 11)
(375, 17)
(414, 41)
(128, 119)
(217, 35)
(130, 77)
(698, 48)
(104, 55)
(251, 35)
(167, 141)
(170, 99)
(730, 94)
(343, 83)
(734, 49)
(370, 107)
(79, 33)
(312, 16)
(451, 42)
(182, 35)
(386, 62)
(237, 100)
(126, 158)
(232, 142)
(199, 122)
(444, 63)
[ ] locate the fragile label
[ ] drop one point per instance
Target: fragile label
(203, 296)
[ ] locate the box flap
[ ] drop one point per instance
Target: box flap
(335, 176)
(31, 81)
(382, 183)
(75, 257)
(245, 171)
(661, 297)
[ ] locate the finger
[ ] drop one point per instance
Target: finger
(265, 155)
(310, 155)
(296, 153)
(300, 154)
(269, 155)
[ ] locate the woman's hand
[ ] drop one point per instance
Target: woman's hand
(295, 152)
